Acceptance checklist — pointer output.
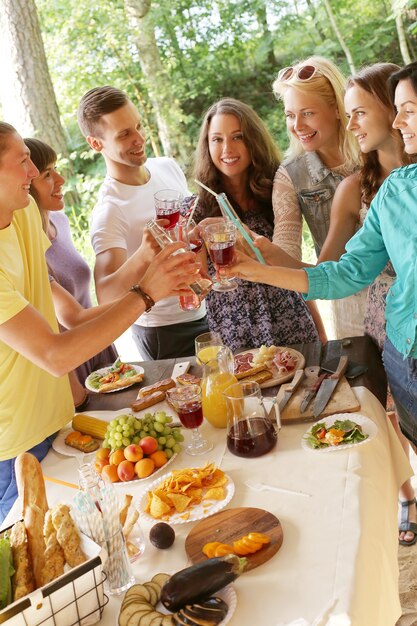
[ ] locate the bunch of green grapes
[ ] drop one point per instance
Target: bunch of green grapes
(126, 429)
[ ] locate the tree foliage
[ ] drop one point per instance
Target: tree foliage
(208, 49)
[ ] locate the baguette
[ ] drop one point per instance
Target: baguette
(67, 535)
(23, 581)
(161, 385)
(147, 401)
(54, 554)
(31, 490)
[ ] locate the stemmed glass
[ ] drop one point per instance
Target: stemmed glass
(207, 346)
(187, 402)
(167, 206)
(220, 239)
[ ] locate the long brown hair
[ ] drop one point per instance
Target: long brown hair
(375, 80)
(264, 155)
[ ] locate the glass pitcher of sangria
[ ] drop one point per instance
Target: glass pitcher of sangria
(217, 377)
(251, 431)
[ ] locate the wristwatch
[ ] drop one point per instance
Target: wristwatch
(149, 302)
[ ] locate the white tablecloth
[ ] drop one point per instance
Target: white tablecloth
(338, 562)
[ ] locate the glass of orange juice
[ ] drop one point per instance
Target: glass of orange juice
(207, 346)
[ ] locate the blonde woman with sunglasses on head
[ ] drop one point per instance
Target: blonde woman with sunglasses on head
(321, 154)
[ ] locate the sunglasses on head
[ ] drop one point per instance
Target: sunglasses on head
(303, 72)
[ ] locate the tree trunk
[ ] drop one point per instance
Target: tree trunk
(397, 7)
(316, 22)
(266, 33)
(339, 36)
(168, 113)
(28, 97)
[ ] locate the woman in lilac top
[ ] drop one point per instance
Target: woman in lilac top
(66, 265)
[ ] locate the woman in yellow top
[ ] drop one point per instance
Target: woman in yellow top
(34, 357)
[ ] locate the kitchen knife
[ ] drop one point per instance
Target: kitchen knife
(328, 386)
(290, 388)
(311, 392)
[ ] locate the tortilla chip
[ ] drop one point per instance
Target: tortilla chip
(217, 493)
(179, 501)
(158, 507)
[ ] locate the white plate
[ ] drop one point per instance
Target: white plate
(60, 446)
(368, 426)
(228, 594)
(104, 370)
(196, 513)
(278, 379)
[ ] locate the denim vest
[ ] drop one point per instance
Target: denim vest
(314, 184)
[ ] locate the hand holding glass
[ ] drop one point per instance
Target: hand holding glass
(220, 240)
(188, 404)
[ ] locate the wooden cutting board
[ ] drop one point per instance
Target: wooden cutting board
(343, 400)
(228, 526)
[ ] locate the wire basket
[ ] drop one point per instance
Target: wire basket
(76, 598)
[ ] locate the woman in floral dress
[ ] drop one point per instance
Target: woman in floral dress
(236, 155)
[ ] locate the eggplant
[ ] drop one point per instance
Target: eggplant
(200, 581)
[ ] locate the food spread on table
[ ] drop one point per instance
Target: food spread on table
(183, 489)
(128, 448)
(117, 376)
(340, 432)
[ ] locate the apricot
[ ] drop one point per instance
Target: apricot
(117, 457)
(109, 473)
(144, 467)
(99, 464)
(103, 453)
(126, 470)
(133, 453)
(159, 458)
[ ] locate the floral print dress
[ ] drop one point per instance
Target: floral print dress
(255, 313)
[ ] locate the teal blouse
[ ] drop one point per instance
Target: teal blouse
(389, 232)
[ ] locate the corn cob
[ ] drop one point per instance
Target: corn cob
(90, 425)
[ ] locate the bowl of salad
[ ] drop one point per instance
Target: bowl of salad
(339, 432)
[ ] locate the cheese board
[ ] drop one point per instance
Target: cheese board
(343, 400)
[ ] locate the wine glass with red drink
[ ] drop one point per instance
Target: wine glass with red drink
(220, 239)
(167, 206)
(187, 403)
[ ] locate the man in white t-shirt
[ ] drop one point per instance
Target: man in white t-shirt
(112, 125)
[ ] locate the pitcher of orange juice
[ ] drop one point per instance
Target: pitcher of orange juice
(217, 376)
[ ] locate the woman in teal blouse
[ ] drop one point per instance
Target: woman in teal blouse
(388, 233)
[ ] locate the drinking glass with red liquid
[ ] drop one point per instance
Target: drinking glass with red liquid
(187, 403)
(167, 206)
(220, 239)
(189, 233)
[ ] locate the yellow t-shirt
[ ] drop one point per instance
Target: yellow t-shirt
(33, 403)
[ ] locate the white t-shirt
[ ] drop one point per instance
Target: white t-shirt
(119, 218)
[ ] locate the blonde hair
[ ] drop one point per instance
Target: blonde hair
(329, 84)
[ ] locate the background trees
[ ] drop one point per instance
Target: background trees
(174, 58)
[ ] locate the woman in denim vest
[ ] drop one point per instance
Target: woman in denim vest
(321, 153)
